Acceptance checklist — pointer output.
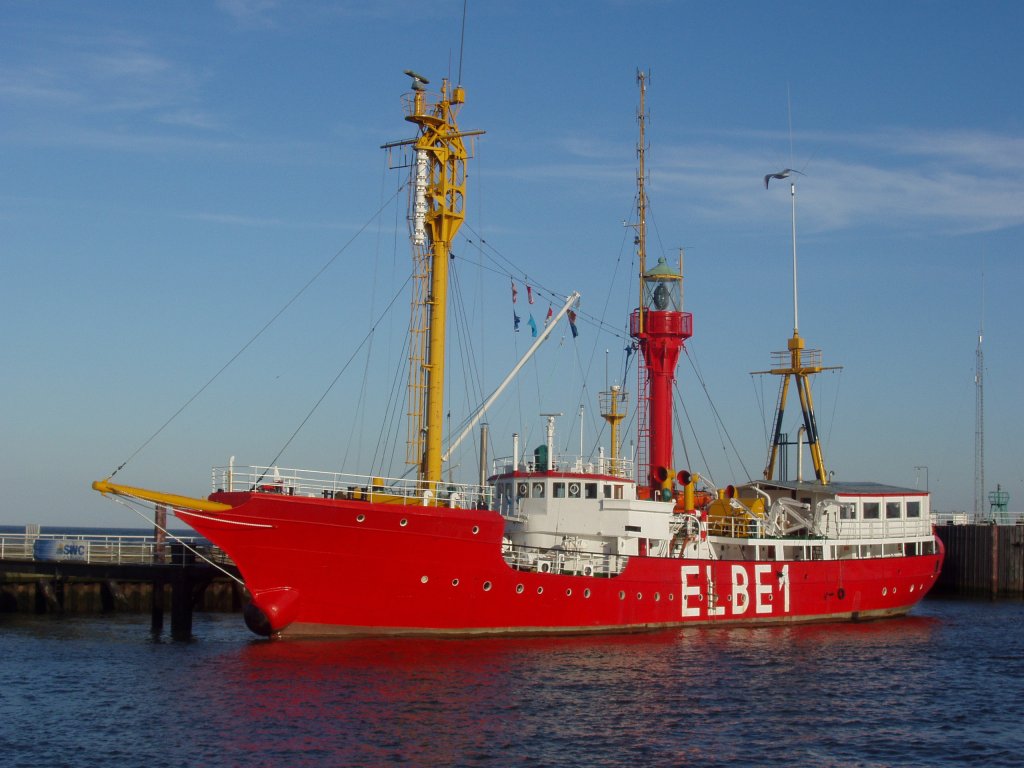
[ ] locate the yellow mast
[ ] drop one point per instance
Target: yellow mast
(801, 364)
(609, 403)
(438, 210)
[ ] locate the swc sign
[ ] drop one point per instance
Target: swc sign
(61, 550)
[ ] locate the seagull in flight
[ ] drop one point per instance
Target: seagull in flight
(784, 173)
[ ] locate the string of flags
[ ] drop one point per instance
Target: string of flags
(516, 320)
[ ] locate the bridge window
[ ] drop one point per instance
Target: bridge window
(522, 490)
(847, 511)
(591, 490)
(558, 490)
(538, 490)
(913, 509)
(893, 510)
(607, 491)
(872, 510)
(618, 491)
(574, 490)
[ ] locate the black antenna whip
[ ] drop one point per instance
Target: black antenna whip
(462, 39)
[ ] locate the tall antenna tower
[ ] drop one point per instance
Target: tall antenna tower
(979, 412)
(979, 430)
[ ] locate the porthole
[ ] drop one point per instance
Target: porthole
(586, 592)
(540, 590)
(911, 588)
(657, 597)
(455, 582)
(403, 522)
(671, 597)
(476, 529)
(487, 586)
(519, 589)
(639, 595)
(894, 590)
(622, 595)
(360, 518)
(885, 591)
(424, 579)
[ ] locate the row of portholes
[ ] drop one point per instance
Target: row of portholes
(520, 589)
(886, 591)
(361, 518)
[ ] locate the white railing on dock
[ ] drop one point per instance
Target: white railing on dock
(978, 518)
(338, 485)
(104, 549)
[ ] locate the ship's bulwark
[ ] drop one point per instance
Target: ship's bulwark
(326, 566)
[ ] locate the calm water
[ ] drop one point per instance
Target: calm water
(942, 687)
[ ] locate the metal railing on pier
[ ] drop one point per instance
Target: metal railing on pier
(115, 550)
(978, 518)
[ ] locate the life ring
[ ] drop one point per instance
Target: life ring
(840, 593)
(574, 489)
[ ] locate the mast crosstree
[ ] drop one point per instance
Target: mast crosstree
(797, 363)
(437, 210)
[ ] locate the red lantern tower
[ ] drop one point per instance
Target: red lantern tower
(660, 327)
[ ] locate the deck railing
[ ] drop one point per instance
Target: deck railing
(338, 485)
(567, 463)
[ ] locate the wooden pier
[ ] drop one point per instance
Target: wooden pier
(982, 560)
(107, 574)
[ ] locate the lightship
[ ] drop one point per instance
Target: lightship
(551, 543)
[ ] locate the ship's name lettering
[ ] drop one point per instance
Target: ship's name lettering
(759, 589)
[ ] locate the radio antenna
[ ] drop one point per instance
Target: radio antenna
(462, 39)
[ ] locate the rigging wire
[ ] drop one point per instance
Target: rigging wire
(258, 334)
(357, 432)
(134, 507)
(506, 268)
(348, 362)
(714, 409)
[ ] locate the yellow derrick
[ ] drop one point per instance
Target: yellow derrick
(735, 516)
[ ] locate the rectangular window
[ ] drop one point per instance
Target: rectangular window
(558, 489)
(913, 509)
(607, 491)
(847, 511)
(618, 491)
(591, 490)
(538, 490)
(893, 510)
(574, 490)
(871, 510)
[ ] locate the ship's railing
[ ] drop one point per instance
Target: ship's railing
(114, 550)
(567, 463)
(338, 485)
(809, 358)
(537, 560)
(894, 529)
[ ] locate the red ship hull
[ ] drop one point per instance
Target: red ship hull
(326, 566)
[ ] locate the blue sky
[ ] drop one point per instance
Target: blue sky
(172, 175)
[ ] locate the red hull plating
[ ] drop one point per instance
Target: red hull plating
(324, 566)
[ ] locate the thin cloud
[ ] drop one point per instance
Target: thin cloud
(949, 182)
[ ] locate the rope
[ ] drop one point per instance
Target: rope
(330, 386)
(191, 549)
(259, 333)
